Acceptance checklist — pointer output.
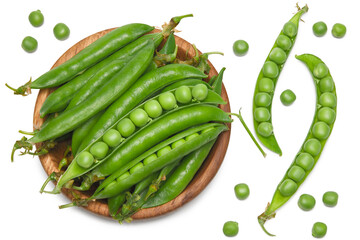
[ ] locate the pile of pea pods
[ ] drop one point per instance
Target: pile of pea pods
(141, 121)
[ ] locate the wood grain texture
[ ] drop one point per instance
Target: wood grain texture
(205, 174)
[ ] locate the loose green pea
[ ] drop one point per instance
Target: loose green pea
(150, 159)
(327, 115)
(277, 55)
(36, 18)
(153, 108)
(99, 150)
(183, 94)
(199, 92)
(288, 187)
(85, 159)
(167, 100)
(321, 130)
(139, 117)
(61, 31)
(191, 136)
(265, 129)
(287, 97)
(320, 70)
(112, 138)
(242, 191)
(319, 230)
(230, 228)
(327, 100)
(270, 69)
(262, 114)
(262, 100)
(319, 29)
(284, 42)
(240, 48)
(312, 146)
(266, 85)
(126, 127)
(305, 160)
(306, 202)
(290, 29)
(163, 151)
(29, 44)
(338, 30)
(136, 167)
(178, 143)
(326, 84)
(296, 173)
(330, 199)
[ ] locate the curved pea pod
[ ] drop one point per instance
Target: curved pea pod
(181, 177)
(310, 151)
(89, 56)
(114, 88)
(186, 82)
(137, 93)
(266, 83)
(110, 188)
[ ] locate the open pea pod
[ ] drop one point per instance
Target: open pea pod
(320, 130)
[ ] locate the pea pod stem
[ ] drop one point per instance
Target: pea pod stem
(23, 90)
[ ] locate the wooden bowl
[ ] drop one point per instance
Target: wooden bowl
(205, 174)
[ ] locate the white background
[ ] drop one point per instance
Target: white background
(215, 26)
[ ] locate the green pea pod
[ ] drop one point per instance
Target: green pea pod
(80, 132)
(113, 89)
(138, 92)
(186, 82)
(181, 177)
(89, 56)
(217, 85)
(266, 83)
(114, 203)
(310, 151)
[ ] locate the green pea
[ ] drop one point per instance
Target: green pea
(99, 150)
(278, 55)
(321, 130)
(199, 92)
(167, 100)
(29, 44)
(265, 129)
(338, 30)
(261, 114)
(284, 42)
(36, 18)
(242, 191)
(178, 143)
(306, 202)
(240, 48)
(61, 31)
(123, 176)
(326, 84)
(312, 146)
(262, 100)
(319, 230)
(163, 151)
(327, 100)
(290, 29)
(330, 199)
(139, 117)
(183, 94)
(191, 136)
(266, 85)
(296, 173)
(327, 115)
(230, 228)
(320, 70)
(85, 159)
(112, 138)
(288, 187)
(287, 97)
(153, 108)
(319, 29)
(206, 130)
(305, 160)
(136, 167)
(270, 69)
(150, 159)
(126, 127)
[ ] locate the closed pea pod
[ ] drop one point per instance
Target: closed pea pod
(313, 145)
